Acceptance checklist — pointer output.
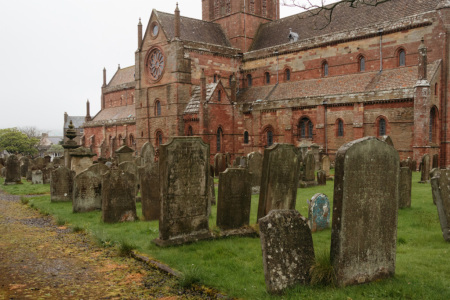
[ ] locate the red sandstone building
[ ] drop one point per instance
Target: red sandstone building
(242, 79)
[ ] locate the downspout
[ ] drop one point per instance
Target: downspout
(245, 32)
(278, 60)
(325, 125)
(380, 32)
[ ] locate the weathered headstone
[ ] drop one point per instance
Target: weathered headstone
(287, 250)
(425, 170)
(130, 166)
(24, 163)
(147, 153)
(435, 161)
(220, 163)
(212, 191)
(315, 151)
(319, 211)
(279, 178)
(184, 184)
(308, 177)
(123, 154)
(321, 177)
(118, 196)
(12, 175)
(388, 140)
(37, 177)
(47, 159)
(237, 162)
(233, 208)
(61, 184)
(150, 196)
(414, 166)
(441, 196)
(404, 187)
(326, 165)
(365, 205)
(87, 189)
(255, 162)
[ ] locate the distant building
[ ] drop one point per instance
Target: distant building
(46, 143)
(77, 121)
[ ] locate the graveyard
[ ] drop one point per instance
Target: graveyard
(234, 265)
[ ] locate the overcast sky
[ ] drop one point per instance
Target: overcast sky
(53, 52)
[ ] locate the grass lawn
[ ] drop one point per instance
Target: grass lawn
(234, 265)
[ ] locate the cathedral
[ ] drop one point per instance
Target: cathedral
(242, 78)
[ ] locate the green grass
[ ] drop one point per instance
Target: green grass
(234, 265)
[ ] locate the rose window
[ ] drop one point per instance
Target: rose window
(156, 64)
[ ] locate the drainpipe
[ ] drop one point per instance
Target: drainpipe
(276, 53)
(325, 125)
(245, 32)
(380, 32)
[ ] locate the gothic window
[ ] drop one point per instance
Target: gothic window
(230, 79)
(381, 127)
(132, 143)
(249, 80)
(340, 128)
(190, 131)
(219, 95)
(362, 63)
(252, 6)
(219, 139)
(267, 77)
(287, 75)
(215, 78)
(245, 137)
(264, 8)
(305, 127)
(157, 108)
(325, 69)
(119, 141)
(269, 138)
(159, 138)
(402, 58)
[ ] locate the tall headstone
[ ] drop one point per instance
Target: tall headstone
(220, 163)
(326, 165)
(315, 150)
(24, 163)
(147, 153)
(319, 211)
(441, 196)
(435, 161)
(365, 205)
(404, 187)
(81, 159)
(212, 191)
(184, 176)
(279, 178)
(130, 166)
(287, 250)
(87, 189)
(118, 196)
(310, 167)
(233, 208)
(255, 162)
(61, 184)
(12, 175)
(425, 169)
(321, 178)
(150, 196)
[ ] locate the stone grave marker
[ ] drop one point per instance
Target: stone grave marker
(184, 188)
(404, 187)
(255, 162)
(414, 165)
(435, 161)
(87, 189)
(441, 196)
(233, 208)
(12, 175)
(321, 178)
(308, 177)
(118, 196)
(365, 206)
(425, 170)
(319, 211)
(3, 172)
(24, 163)
(131, 167)
(279, 178)
(212, 191)
(150, 196)
(388, 140)
(220, 163)
(326, 165)
(61, 184)
(147, 153)
(47, 159)
(287, 250)
(237, 162)
(37, 177)
(123, 154)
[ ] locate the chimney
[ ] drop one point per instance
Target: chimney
(104, 77)
(233, 88)
(88, 114)
(65, 118)
(139, 33)
(422, 61)
(177, 22)
(118, 67)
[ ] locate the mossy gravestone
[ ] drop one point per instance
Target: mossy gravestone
(425, 170)
(279, 178)
(287, 249)
(441, 195)
(255, 162)
(87, 190)
(319, 212)
(365, 206)
(404, 188)
(184, 176)
(61, 184)
(12, 175)
(150, 197)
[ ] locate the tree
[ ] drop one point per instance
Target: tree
(15, 141)
(321, 8)
(32, 132)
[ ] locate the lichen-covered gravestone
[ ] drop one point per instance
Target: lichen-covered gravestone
(233, 208)
(118, 196)
(441, 196)
(435, 161)
(12, 175)
(279, 178)
(365, 206)
(61, 184)
(425, 170)
(404, 187)
(321, 178)
(87, 190)
(147, 153)
(255, 162)
(220, 163)
(184, 183)
(326, 165)
(319, 212)
(150, 197)
(37, 177)
(287, 249)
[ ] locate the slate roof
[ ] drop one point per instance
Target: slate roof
(115, 113)
(77, 121)
(194, 102)
(122, 76)
(344, 18)
(194, 30)
(365, 82)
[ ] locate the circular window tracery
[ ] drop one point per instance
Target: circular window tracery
(156, 64)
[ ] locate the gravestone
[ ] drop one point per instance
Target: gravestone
(150, 196)
(1, 168)
(326, 165)
(321, 178)
(39, 163)
(24, 163)
(3, 172)
(388, 140)
(58, 161)
(255, 162)
(404, 187)
(287, 250)
(212, 191)
(37, 177)
(308, 177)
(147, 153)
(130, 166)
(118, 196)
(184, 188)
(365, 205)
(435, 161)
(441, 196)
(319, 211)
(279, 178)
(237, 162)
(47, 159)
(12, 175)
(61, 184)
(413, 165)
(220, 163)
(425, 170)
(124, 154)
(87, 189)
(233, 208)
(316, 152)
(47, 174)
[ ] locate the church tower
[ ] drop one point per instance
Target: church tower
(240, 19)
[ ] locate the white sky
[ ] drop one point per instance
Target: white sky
(52, 54)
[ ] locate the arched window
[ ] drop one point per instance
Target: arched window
(287, 75)
(190, 131)
(340, 128)
(401, 58)
(433, 125)
(215, 78)
(267, 77)
(305, 128)
(324, 69)
(269, 138)
(245, 137)
(219, 95)
(157, 108)
(362, 63)
(230, 79)
(219, 139)
(159, 138)
(119, 142)
(132, 143)
(382, 127)
(249, 80)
